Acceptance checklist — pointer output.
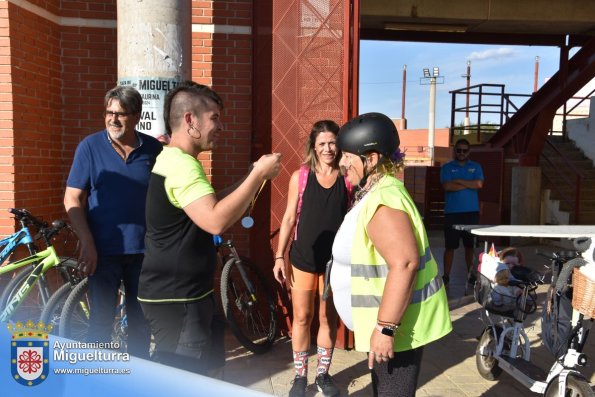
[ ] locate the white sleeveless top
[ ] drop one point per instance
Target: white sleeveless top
(341, 270)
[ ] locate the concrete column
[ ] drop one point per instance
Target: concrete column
(525, 197)
(154, 53)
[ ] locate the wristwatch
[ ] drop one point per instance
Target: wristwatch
(386, 330)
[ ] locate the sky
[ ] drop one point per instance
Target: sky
(381, 75)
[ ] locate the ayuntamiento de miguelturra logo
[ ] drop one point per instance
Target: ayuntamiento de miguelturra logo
(29, 352)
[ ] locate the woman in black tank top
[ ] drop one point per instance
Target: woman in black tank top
(322, 212)
(318, 199)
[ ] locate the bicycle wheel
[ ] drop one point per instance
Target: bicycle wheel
(29, 308)
(120, 327)
(576, 386)
(487, 365)
(251, 317)
(74, 318)
(53, 310)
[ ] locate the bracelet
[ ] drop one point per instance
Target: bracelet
(388, 324)
(280, 257)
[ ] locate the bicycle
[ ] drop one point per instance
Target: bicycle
(76, 310)
(19, 288)
(504, 344)
(248, 304)
(20, 237)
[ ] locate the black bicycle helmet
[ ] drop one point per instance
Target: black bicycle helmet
(369, 132)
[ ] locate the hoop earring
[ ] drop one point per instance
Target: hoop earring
(191, 127)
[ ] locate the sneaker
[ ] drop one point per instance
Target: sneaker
(299, 386)
(325, 385)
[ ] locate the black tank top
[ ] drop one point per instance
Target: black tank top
(321, 215)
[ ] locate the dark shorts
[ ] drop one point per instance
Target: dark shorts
(452, 236)
(187, 335)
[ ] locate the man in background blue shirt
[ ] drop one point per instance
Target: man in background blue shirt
(461, 179)
(105, 201)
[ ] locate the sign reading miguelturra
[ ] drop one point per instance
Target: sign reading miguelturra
(153, 91)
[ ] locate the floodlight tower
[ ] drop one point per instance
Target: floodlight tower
(432, 79)
(468, 77)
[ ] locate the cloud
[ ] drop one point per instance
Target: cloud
(496, 54)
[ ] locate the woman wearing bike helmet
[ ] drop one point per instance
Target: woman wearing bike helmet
(384, 278)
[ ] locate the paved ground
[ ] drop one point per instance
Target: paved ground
(448, 366)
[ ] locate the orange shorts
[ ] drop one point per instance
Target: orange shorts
(304, 281)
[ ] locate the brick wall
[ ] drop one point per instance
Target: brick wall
(88, 69)
(6, 124)
(36, 81)
(60, 73)
(224, 61)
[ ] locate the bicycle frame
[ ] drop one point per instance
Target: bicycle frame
(10, 243)
(234, 254)
(46, 260)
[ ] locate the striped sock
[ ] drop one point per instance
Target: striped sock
(300, 361)
(324, 360)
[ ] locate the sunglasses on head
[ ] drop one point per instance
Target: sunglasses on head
(459, 150)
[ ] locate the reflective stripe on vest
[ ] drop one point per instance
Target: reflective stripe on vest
(381, 271)
(418, 296)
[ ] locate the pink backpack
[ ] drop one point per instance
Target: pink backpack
(302, 181)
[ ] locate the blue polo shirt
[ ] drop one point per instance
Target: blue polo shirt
(116, 191)
(466, 200)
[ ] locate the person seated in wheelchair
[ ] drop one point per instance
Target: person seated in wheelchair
(497, 290)
(504, 295)
(511, 256)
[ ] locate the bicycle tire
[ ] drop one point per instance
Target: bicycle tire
(52, 312)
(70, 273)
(253, 322)
(74, 320)
(29, 308)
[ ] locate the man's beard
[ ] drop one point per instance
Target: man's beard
(116, 134)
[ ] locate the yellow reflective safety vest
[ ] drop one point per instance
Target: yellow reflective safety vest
(427, 318)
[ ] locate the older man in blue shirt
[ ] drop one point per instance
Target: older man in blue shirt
(105, 201)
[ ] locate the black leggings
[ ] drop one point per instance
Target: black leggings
(398, 376)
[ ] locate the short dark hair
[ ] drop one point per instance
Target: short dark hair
(129, 98)
(191, 94)
(462, 141)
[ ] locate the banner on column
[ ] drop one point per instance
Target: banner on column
(153, 91)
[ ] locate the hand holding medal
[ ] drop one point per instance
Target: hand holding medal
(248, 221)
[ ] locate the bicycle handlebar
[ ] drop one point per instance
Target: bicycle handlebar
(50, 231)
(26, 217)
(581, 244)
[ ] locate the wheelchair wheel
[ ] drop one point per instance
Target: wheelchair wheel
(576, 386)
(487, 365)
